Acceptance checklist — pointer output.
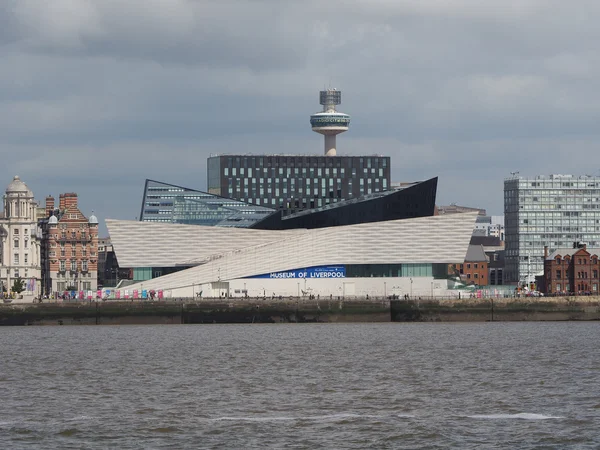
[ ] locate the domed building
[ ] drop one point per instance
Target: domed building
(20, 261)
(70, 250)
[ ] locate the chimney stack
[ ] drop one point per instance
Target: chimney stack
(49, 205)
(545, 252)
(67, 200)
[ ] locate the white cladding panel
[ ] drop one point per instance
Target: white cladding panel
(238, 253)
(150, 244)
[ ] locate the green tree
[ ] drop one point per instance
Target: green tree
(18, 286)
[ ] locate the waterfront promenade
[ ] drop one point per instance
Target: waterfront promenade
(297, 310)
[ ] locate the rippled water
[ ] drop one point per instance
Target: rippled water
(486, 385)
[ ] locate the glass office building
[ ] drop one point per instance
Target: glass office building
(169, 203)
(553, 211)
(294, 182)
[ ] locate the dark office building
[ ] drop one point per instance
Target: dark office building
(415, 200)
(293, 182)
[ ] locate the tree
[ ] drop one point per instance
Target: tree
(18, 286)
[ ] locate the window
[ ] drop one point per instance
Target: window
(84, 265)
(475, 266)
(16, 232)
(16, 258)
(16, 243)
(73, 265)
(25, 258)
(62, 265)
(595, 272)
(26, 243)
(558, 274)
(26, 232)
(468, 265)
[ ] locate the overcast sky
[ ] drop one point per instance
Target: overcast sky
(98, 95)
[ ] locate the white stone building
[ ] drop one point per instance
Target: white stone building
(19, 242)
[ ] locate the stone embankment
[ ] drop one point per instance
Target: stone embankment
(195, 312)
(497, 309)
(252, 310)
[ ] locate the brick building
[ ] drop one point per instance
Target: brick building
(571, 270)
(475, 268)
(70, 248)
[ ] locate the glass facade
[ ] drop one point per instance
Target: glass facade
(330, 120)
(553, 211)
(436, 270)
(164, 202)
(295, 183)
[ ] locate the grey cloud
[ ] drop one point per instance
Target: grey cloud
(95, 96)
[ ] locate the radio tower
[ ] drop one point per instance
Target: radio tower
(330, 123)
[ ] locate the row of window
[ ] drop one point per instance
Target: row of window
(580, 261)
(559, 274)
(16, 258)
(16, 243)
(305, 172)
(581, 287)
(319, 161)
(73, 265)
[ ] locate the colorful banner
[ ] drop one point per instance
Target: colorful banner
(118, 294)
(135, 293)
(160, 293)
(144, 293)
(126, 293)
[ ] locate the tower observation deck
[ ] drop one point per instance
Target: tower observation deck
(330, 122)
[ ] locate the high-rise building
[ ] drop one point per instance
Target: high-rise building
(19, 242)
(553, 211)
(296, 182)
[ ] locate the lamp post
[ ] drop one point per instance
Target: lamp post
(432, 289)
(411, 283)
(384, 289)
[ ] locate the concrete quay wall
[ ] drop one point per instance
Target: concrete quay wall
(300, 310)
(195, 312)
(533, 309)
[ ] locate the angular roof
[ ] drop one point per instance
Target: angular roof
(476, 253)
(411, 201)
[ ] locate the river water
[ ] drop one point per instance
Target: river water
(301, 386)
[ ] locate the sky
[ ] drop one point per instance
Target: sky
(98, 95)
